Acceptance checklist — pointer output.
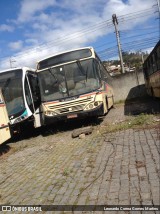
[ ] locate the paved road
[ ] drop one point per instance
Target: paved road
(110, 168)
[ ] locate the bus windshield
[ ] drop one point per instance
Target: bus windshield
(11, 84)
(70, 79)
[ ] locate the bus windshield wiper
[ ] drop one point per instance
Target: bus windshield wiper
(57, 81)
(82, 69)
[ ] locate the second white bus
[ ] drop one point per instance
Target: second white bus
(21, 94)
(73, 84)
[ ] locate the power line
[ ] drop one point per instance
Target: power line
(139, 29)
(130, 46)
(99, 25)
(60, 41)
(138, 35)
(113, 54)
(91, 29)
(137, 12)
(111, 47)
(133, 42)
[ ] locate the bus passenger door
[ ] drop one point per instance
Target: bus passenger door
(4, 122)
(35, 94)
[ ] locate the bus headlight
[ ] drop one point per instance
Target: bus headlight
(92, 105)
(96, 103)
(17, 120)
(50, 113)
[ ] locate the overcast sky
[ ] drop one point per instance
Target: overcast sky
(33, 29)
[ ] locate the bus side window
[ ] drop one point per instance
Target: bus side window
(33, 81)
(158, 57)
(97, 66)
(28, 96)
(150, 66)
(104, 72)
(145, 69)
(154, 62)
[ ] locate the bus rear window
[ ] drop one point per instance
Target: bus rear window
(65, 57)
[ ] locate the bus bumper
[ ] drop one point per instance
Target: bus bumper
(99, 111)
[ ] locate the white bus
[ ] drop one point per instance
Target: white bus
(73, 84)
(151, 70)
(21, 94)
(4, 121)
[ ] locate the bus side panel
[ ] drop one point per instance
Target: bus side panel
(109, 96)
(155, 84)
(151, 70)
(4, 121)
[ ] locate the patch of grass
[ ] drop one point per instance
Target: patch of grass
(91, 150)
(142, 121)
(18, 148)
(91, 165)
(66, 172)
(119, 102)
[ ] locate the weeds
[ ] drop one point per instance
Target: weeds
(65, 172)
(142, 120)
(119, 102)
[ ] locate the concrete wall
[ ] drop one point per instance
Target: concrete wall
(128, 86)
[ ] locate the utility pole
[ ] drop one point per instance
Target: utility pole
(115, 22)
(142, 57)
(141, 54)
(11, 61)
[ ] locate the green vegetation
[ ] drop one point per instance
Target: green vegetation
(120, 102)
(130, 59)
(134, 59)
(66, 172)
(140, 121)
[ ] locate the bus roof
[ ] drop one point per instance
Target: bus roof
(64, 53)
(155, 47)
(17, 68)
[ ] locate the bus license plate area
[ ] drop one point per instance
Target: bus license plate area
(72, 116)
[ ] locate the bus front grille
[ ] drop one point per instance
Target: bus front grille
(71, 109)
(72, 106)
